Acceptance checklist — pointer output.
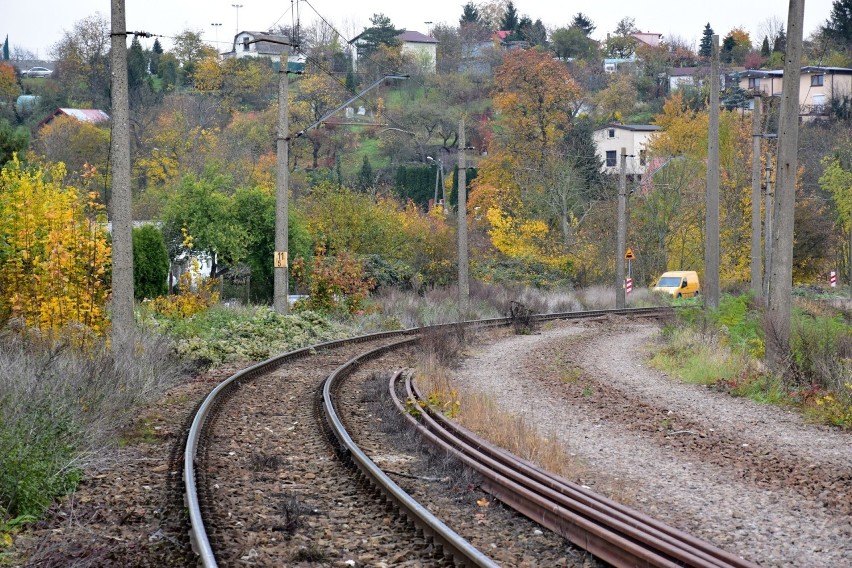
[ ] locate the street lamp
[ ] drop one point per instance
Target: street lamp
(237, 6)
(216, 27)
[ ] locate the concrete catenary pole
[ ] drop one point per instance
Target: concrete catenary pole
(756, 247)
(777, 330)
(281, 279)
(767, 239)
(711, 218)
(621, 231)
(464, 285)
(120, 203)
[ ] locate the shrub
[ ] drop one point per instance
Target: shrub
(61, 405)
(335, 284)
(150, 263)
(224, 334)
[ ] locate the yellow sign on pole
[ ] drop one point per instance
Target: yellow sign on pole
(629, 255)
(280, 259)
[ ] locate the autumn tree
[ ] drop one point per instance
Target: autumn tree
(82, 146)
(82, 61)
(837, 181)
(621, 43)
(525, 186)
(735, 46)
(317, 95)
(9, 89)
(683, 135)
(573, 43)
(55, 255)
(189, 49)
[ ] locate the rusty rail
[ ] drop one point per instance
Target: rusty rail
(611, 531)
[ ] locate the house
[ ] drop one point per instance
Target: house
(258, 44)
(614, 64)
(423, 48)
(680, 77)
(634, 138)
(650, 39)
(264, 44)
(82, 114)
(817, 86)
(766, 82)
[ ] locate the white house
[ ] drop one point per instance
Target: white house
(264, 44)
(423, 48)
(634, 138)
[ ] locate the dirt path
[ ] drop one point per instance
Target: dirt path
(754, 479)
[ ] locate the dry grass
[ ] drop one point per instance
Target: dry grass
(478, 413)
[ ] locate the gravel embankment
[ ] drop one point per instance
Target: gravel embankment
(754, 479)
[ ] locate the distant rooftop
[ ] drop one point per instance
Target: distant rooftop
(415, 37)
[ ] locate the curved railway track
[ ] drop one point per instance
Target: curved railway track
(255, 439)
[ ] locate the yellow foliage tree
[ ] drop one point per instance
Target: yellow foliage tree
(179, 146)
(54, 253)
(684, 133)
(77, 144)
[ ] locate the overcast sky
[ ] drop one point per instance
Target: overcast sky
(38, 25)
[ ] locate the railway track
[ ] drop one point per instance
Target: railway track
(621, 536)
(259, 473)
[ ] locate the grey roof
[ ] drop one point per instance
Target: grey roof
(808, 69)
(415, 37)
(829, 70)
(633, 127)
(266, 47)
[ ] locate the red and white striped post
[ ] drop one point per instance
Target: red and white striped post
(628, 286)
(833, 279)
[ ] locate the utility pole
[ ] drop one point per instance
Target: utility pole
(120, 210)
(711, 219)
(281, 282)
(756, 249)
(777, 331)
(621, 233)
(770, 200)
(464, 286)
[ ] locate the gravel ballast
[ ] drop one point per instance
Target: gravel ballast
(754, 479)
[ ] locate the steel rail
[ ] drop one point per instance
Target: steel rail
(461, 550)
(616, 533)
(198, 534)
(206, 411)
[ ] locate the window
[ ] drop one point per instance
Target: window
(816, 80)
(610, 158)
(611, 133)
(753, 83)
(245, 43)
(642, 157)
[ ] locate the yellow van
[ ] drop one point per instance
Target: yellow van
(679, 283)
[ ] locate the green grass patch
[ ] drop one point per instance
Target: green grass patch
(725, 348)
